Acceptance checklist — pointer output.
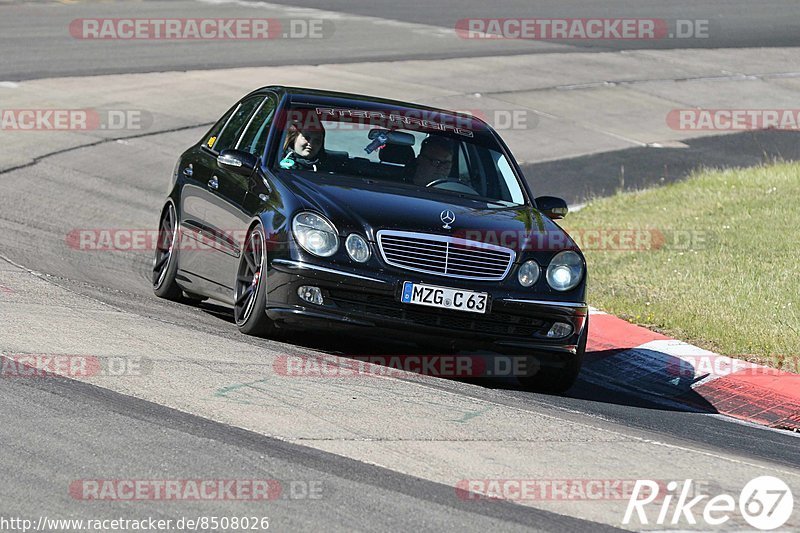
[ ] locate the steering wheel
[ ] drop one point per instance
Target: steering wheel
(439, 181)
(452, 185)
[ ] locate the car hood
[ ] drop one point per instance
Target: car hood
(367, 206)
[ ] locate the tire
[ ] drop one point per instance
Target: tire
(558, 380)
(165, 262)
(250, 287)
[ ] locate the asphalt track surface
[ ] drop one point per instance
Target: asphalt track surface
(368, 31)
(57, 430)
(97, 430)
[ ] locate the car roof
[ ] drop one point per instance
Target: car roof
(304, 95)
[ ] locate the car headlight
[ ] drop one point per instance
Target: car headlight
(357, 248)
(565, 271)
(528, 273)
(315, 234)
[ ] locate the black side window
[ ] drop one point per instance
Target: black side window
(254, 139)
(211, 138)
(230, 134)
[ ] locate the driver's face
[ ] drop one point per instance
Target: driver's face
(433, 163)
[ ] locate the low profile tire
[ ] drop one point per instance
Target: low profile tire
(558, 380)
(165, 262)
(250, 292)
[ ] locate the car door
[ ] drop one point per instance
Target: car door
(211, 207)
(259, 193)
(193, 212)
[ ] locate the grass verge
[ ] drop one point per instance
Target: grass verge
(722, 267)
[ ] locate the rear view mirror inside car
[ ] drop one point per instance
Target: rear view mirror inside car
(392, 137)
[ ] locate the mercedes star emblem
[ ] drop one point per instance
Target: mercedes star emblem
(448, 217)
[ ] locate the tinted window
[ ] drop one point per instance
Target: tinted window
(463, 168)
(212, 135)
(427, 152)
(236, 124)
(255, 138)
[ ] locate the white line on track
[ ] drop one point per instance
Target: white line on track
(290, 11)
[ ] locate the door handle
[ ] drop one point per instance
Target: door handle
(213, 183)
(188, 171)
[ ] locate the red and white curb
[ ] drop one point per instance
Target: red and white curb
(627, 358)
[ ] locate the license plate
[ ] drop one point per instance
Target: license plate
(444, 298)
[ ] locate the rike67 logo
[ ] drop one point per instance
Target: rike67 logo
(765, 503)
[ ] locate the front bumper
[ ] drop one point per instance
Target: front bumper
(370, 302)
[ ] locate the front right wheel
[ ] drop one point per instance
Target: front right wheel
(250, 293)
(165, 262)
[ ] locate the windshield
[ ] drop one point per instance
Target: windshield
(438, 154)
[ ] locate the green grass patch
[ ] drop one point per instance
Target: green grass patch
(726, 275)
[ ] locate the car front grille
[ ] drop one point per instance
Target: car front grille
(444, 255)
(493, 323)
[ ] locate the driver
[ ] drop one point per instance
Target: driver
(434, 161)
(303, 148)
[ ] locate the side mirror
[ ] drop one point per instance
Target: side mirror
(237, 161)
(552, 207)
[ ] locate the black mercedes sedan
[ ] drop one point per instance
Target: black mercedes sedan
(316, 210)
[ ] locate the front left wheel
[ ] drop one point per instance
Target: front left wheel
(250, 293)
